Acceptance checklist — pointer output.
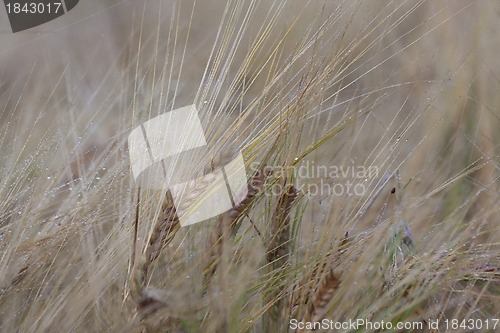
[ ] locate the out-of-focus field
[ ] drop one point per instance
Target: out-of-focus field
(410, 88)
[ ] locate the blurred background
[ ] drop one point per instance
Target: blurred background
(412, 84)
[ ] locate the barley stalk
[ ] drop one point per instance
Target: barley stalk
(323, 295)
(277, 254)
(227, 225)
(167, 222)
(255, 186)
(278, 249)
(164, 230)
(300, 295)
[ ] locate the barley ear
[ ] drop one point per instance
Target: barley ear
(164, 231)
(323, 295)
(278, 249)
(255, 186)
(277, 254)
(227, 226)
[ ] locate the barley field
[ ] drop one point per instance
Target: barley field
(370, 132)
